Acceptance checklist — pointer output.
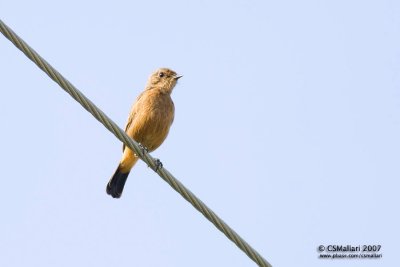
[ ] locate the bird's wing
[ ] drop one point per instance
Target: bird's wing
(131, 117)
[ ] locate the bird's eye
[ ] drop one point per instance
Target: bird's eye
(161, 74)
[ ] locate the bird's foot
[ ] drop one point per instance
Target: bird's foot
(158, 164)
(143, 148)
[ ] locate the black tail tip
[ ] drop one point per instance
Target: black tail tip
(112, 192)
(116, 184)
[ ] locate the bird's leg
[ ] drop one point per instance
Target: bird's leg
(158, 164)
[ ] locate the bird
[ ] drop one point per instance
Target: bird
(149, 121)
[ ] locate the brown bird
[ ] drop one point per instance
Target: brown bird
(148, 123)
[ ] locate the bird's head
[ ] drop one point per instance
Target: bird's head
(163, 78)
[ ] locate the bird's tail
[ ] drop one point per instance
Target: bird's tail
(116, 184)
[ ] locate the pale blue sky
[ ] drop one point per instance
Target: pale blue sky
(287, 125)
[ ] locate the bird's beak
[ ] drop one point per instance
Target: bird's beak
(178, 77)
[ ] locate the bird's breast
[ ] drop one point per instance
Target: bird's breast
(154, 120)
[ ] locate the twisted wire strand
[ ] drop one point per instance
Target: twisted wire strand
(122, 136)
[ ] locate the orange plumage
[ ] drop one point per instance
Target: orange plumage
(148, 123)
